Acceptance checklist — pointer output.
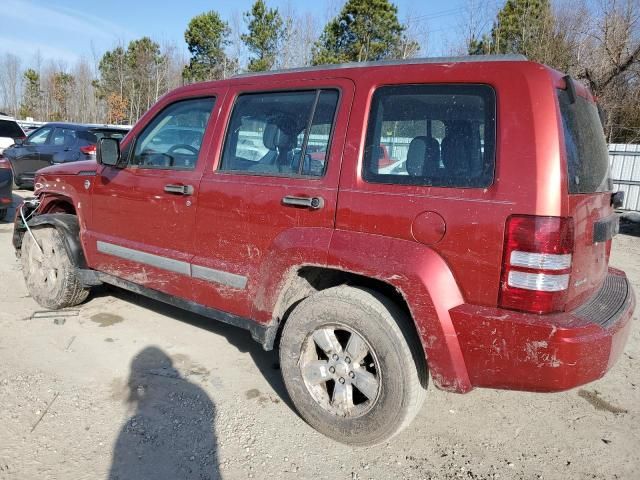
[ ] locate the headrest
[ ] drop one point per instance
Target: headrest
(416, 156)
(274, 138)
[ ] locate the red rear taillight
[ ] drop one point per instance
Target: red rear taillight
(4, 163)
(88, 149)
(537, 263)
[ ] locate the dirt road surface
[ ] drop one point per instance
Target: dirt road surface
(128, 388)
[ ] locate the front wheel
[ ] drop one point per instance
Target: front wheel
(48, 271)
(352, 366)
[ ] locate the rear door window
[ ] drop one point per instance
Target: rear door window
(10, 129)
(586, 146)
(94, 135)
(432, 135)
(280, 133)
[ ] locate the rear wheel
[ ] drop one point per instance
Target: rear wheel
(352, 366)
(3, 213)
(48, 272)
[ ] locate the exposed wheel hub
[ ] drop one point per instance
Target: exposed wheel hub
(340, 371)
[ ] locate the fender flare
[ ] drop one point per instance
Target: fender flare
(419, 274)
(69, 227)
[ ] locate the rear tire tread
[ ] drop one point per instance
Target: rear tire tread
(333, 302)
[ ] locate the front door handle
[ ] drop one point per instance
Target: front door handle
(313, 203)
(179, 189)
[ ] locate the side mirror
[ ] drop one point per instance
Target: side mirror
(19, 141)
(108, 152)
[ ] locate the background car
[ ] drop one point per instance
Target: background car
(6, 178)
(56, 143)
(10, 131)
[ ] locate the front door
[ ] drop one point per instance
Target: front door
(27, 156)
(275, 184)
(60, 148)
(143, 215)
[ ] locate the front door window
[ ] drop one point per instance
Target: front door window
(173, 139)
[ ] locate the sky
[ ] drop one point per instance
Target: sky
(69, 29)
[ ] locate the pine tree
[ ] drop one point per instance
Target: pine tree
(266, 32)
(365, 30)
(207, 36)
(31, 96)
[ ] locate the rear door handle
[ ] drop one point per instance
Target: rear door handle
(313, 203)
(179, 189)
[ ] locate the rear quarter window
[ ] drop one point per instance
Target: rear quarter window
(431, 135)
(585, 145)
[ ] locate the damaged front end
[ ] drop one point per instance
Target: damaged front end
(24, 213)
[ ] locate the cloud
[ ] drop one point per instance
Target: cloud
(28, 15)
(27, 49)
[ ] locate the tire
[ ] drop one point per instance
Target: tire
(367, 399)
(3, 213)
(52, 281)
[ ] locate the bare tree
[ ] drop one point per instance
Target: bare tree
(10, 83)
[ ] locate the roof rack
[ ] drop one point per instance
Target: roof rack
(382, 63)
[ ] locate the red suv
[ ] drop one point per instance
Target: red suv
(480, 257)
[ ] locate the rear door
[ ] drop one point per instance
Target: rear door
(143, 215)
(589, 186)
(276, 183)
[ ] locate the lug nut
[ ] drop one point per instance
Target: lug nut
(335, 356)
(341, 380)
(351, 374)
(347, 359)
(332, 369)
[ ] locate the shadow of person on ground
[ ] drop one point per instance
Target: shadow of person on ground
(170, 435)
(267, 362)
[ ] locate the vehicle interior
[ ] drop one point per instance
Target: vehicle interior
(285, 124)
(434, 139)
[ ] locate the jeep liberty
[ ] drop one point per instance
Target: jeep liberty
(379, 223)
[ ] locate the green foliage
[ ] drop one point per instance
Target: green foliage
(31, 96)
(518, 28)
(134, 76)
(266, 32)
(62, 85)
(113, 72)
(365, 30)
(207, 36)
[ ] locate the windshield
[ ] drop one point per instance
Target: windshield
(586, 147)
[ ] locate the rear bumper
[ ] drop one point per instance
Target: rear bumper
(546, 353)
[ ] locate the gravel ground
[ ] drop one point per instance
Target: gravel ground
(128, 388)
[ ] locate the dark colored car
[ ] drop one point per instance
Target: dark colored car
(6, 178)
(55, 143)
(482, 262)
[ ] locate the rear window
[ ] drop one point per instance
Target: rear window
(10, 129)
(432, 135)
(94, 135)
(586, 147)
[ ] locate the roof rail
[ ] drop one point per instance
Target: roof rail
(382, 63)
